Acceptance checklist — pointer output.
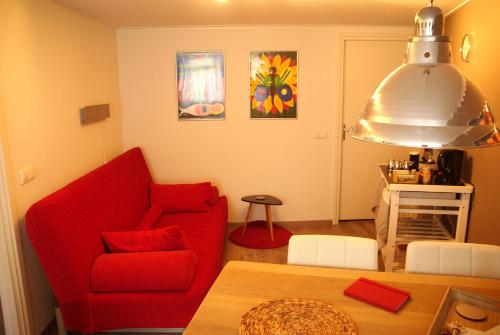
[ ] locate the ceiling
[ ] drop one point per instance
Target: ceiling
(165, 13)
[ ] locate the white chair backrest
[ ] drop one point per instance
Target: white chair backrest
(333, 251)
(453, 258)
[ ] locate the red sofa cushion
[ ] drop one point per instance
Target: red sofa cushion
(144, 271)
(214, 196)
(150, 218)
(176, 198)
(162, 239)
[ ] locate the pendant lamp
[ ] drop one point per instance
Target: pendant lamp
(427, 102)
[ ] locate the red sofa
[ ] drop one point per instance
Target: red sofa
(66, 228)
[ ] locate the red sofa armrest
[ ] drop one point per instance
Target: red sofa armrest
(143, 271)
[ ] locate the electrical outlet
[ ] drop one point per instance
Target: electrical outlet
(26, 175)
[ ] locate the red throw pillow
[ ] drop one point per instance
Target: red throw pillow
(181, 197)
(168, 238)
(143, 271)
(214, 196)
(150, 218)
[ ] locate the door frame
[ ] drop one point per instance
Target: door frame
(12, 290)
(399, 33)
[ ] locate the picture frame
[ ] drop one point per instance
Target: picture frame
(200, 83)
(273, 84)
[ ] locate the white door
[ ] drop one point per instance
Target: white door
(366, 63)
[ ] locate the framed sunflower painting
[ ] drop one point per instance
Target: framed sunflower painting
(273, 84)
(200, 85)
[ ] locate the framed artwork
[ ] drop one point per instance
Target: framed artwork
(273, 84)
(200, 85)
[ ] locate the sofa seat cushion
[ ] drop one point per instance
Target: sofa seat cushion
(205, 233)
(177, 198)
(144, 271)
(162, 239)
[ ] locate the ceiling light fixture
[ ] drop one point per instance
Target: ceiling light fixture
(427, 102)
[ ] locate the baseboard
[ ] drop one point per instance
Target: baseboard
(293, 223)
(136, 331)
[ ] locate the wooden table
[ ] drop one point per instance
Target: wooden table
(243, 285)
(268, 201)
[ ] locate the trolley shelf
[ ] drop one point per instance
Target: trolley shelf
(417, 213)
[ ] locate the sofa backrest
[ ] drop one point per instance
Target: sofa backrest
(65, 227)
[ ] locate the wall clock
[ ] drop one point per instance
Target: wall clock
(466, 48)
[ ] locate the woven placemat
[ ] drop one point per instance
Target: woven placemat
(295, 317)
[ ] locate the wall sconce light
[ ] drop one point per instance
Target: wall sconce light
(94, 113)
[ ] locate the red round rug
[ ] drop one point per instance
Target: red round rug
(258, 236)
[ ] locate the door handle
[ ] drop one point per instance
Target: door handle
(344, 131)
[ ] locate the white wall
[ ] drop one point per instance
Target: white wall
(53, 61)
(241, 156)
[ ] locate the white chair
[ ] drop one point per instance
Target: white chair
(453, 258)
(333, 251)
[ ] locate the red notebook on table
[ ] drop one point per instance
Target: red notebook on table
(377, 294)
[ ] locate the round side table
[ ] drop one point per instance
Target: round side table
(266, 200)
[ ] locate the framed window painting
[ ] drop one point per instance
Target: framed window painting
(273, 85)
(200, 85)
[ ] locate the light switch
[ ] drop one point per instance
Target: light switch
(321, 134)
(26, 175)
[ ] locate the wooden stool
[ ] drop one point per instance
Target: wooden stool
(268, 201)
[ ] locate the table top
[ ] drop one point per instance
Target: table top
(465, 188)
(267, 199)
(243, 285)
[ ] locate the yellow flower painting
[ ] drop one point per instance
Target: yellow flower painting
(273, 84)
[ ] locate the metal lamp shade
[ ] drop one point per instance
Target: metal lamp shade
(423, 106)
(427, 102)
